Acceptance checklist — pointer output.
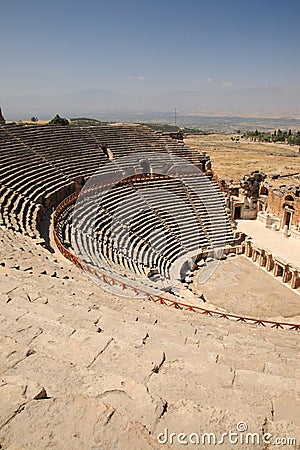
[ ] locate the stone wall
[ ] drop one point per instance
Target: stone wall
(274, 203)
(281, 201)
(243, 198)
(254, 197)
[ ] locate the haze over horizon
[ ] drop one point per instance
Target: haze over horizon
(218, 57)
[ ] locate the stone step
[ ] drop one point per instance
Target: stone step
(189, 333)
(171, 383)
(63, 341)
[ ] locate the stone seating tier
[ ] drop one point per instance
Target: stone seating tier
(19, 213)
(121, 370)
(156, 210)
(39, 163)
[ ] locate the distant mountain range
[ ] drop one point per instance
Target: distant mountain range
(264, 102)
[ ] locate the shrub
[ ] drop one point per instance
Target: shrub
(57, 120)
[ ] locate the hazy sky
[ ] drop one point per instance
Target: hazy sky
(146, 47)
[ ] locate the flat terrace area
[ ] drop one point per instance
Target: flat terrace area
(239, 286)
(286, 248)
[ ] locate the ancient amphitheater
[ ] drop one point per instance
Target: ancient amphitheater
(107, 341)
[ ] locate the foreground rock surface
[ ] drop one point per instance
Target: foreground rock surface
(80, 368)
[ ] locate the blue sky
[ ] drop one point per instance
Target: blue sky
(148, 47)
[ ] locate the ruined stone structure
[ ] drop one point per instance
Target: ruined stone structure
(243, 198)
(2, 120)
(276, 207)
(82, 368)
(273, 264)
(280, 207)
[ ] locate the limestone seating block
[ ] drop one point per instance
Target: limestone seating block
(12, 352)
(16, 392)
(262, 381)
(92, 422)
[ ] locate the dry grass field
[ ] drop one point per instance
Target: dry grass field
(231, 160)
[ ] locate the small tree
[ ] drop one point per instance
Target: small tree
(57, 120)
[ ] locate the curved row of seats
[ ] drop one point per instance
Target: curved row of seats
(127, 138)
(68, 149)
(19, 213)
(40, 165)
(26, 172)
(148, 224)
